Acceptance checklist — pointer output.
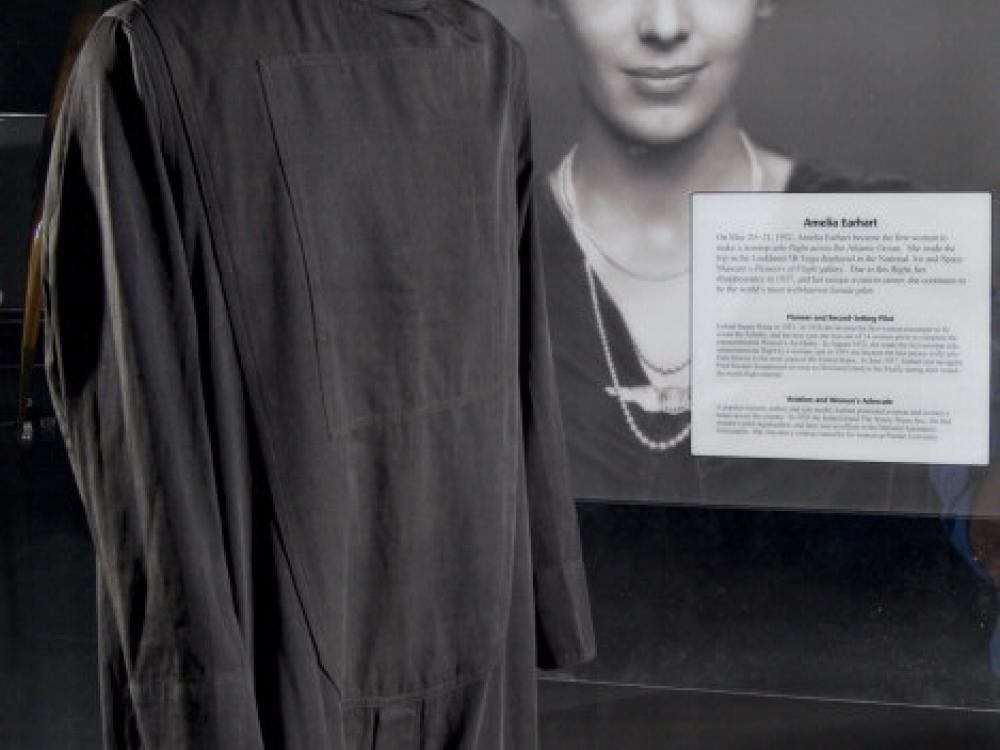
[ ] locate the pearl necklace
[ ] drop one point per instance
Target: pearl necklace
(667, 395)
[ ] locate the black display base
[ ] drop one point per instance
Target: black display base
(593, 716)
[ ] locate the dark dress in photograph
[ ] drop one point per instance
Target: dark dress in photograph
(609, 463)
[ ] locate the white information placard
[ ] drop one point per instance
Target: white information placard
(841, 326)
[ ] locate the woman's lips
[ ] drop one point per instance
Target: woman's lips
(664, 81)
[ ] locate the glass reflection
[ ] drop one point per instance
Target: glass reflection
(970, 499)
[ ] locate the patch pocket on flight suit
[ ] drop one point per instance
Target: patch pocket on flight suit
(388, 164)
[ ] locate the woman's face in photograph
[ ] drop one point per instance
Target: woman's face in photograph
(658, 70)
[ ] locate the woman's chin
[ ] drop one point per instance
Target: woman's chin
(667, 126)
(661, 134)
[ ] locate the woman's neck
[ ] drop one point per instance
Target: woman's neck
(648, 186)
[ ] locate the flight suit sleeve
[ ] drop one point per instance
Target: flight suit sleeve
(562, 608)
(130, 373)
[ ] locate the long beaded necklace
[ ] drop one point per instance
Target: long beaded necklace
(671, 399)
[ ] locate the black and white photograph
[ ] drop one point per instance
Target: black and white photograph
(638, 106)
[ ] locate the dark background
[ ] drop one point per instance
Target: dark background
(33, 35)
(19, 154)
